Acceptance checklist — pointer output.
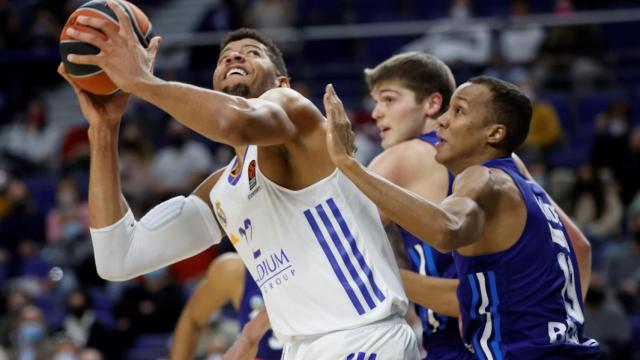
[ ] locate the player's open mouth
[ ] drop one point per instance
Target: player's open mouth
(237, 71)
(383, 131)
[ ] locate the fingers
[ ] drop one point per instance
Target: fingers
(109, 28)
(63, 72)
(124, 20)
(85, 59)
(87, 37)
(153, 50)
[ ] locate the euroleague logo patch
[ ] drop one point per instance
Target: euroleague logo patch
(252, 174)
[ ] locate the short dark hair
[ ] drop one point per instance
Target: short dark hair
(510, 107)
(273, 51)
(419, 72)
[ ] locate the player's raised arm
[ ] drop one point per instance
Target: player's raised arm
(459, 221)
(223, 283)
(233, 116)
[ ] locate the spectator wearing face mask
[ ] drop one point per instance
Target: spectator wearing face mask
(29, 335)
(84, 328)
(610, 146)
(622, 264)
(180, 165)
(606, 322)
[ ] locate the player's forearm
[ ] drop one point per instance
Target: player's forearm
(215, 115)
(582, 248)
(185, 339)
(106, 203)
(426, 220)
(436, 294)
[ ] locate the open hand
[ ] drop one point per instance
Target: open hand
(340, 136)
(121, 56)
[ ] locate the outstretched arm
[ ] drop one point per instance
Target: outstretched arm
(580, 243)
(246, 345)
(437, 294)
(224, 118)
(224, 282)
(458, 221)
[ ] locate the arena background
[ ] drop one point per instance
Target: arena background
(578, 60)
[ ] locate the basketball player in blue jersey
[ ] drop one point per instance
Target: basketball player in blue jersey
(311, 240)
(519, 291)
(410, 91)
(227, 281)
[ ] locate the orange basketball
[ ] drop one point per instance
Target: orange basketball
(89, 77)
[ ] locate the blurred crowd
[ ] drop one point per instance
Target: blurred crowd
(584, 148)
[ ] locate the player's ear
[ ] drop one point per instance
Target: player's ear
(496, 133)
(283, 81)
(432, 105)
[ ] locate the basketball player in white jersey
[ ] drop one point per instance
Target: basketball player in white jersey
(313, 243)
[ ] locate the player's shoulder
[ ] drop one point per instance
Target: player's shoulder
(410, 154)
(300, 110)
(226, 265)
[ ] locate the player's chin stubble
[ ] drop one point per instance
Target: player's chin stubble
(237, 90)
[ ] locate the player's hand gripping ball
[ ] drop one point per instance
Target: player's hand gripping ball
(89, 77)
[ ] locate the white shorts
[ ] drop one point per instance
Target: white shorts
(391, 339)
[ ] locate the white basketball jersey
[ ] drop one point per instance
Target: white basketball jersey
(319, 255)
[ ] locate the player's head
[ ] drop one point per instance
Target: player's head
(408, 89)
(249, 64)
(487, 118)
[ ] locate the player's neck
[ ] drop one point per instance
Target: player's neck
(429, 125)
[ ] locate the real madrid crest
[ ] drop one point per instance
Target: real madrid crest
(220, 214)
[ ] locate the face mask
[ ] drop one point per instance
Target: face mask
(65, 356)
(66, 198)
(71, 230)
(617, 127)
(30, 333)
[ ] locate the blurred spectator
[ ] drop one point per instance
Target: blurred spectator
(182, 164)
(32, 142)
(62, 347)
(75, 150)
(30, 334)
(519, 42)
(135, 167)
(629, 172)
(16, 299)
(458, 41)
(610, 145)
(622, 264)
(89, 354)
(272, 13)
(605, 321)
(84, 328)
(69, 219)
(20, 224)
(545, 131)
(152, 307)
(595, 203)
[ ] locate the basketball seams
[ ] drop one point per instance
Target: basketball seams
(134, 22)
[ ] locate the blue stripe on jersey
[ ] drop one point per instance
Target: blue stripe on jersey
(345, 257)
(354, 248)
(495, 301)
(431, 263)
(361, 356)
(373, 356)
(350, 356)
(474, 314)
(333, 262)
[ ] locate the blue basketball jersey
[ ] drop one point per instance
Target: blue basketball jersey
(525, 302)
(440, 334)
(251, 303)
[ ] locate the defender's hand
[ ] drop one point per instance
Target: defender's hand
(121, 56)
(340, 136)
(97, 109)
